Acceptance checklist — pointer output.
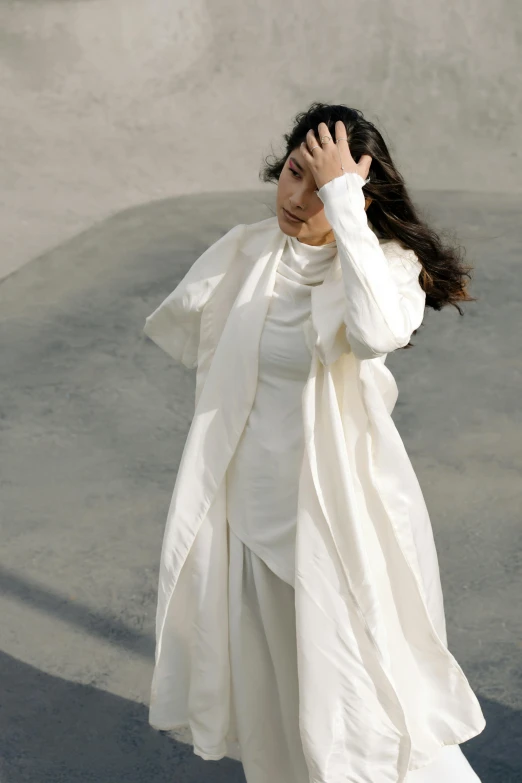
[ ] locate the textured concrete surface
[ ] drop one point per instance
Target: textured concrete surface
(93, 418)
(106, 104)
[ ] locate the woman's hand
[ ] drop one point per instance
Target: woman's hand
(325, 158)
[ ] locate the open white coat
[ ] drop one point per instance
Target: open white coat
(379, 691)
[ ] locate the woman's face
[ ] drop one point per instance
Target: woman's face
(297, 193)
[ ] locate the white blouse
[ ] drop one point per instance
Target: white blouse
(263, 475)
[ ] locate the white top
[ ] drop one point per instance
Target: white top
(263, 475)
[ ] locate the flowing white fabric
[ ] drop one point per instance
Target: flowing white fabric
(380, 693)
(263, 654)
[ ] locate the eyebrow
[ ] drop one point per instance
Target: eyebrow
(297, 164)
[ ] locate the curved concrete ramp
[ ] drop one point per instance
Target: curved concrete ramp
(94, 418)
(106, 104)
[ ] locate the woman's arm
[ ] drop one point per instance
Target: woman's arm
(384, 299)
(175, 324)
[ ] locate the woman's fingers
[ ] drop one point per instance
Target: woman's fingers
(363, 166)
(329, 157)
(311, 140)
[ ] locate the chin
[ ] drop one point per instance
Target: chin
(291, 229)
(286, 229)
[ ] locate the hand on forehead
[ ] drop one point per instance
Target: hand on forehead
(329, 157)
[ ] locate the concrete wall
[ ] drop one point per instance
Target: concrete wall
(107, 104)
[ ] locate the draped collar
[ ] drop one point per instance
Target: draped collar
(306, 264)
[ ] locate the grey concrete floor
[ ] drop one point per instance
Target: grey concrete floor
(93, 420)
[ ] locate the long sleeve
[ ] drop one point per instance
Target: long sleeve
(175, 324)
(384, 299)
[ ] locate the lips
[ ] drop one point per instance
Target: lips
(292, 216)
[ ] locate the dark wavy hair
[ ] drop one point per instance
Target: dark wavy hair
(444, 276)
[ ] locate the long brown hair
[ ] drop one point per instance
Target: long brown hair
(444, 276)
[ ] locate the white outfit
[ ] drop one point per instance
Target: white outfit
(263, 475)
(380, 694)
(262, 489)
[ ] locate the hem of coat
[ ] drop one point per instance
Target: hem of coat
(207, 755)
(432, 760)
(217, 755)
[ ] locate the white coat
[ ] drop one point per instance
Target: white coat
(379, 690)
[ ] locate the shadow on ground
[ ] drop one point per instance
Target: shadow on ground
(54, 731)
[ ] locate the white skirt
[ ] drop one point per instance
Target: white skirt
(265, 682)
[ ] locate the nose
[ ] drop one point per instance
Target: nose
(298, 199)
(296, 202)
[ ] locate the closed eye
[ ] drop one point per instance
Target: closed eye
(296, 174)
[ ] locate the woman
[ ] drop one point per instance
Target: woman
(300, 609)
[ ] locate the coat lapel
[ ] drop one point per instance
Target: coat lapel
(226, 394)
(191, 682)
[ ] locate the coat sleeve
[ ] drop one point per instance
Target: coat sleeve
(175, 324)
(384, 298)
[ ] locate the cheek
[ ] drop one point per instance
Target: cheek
(319, 221)
(283, 189)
